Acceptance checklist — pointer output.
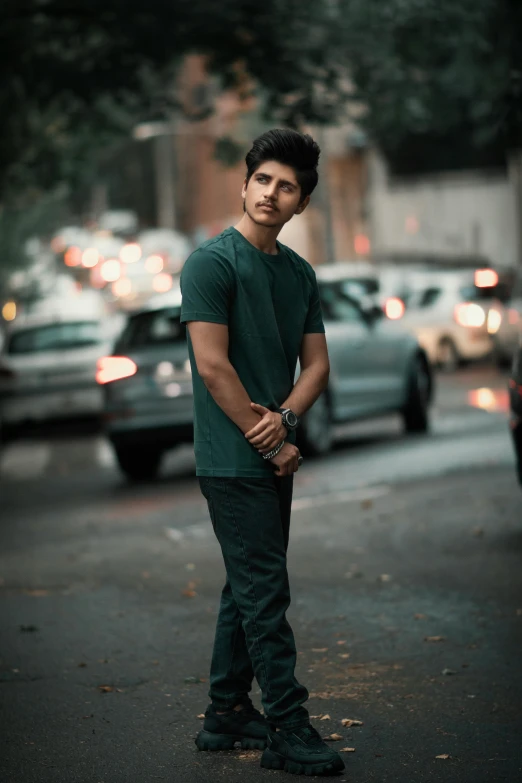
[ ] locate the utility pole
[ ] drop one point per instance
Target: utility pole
(515, 178)
(323, 193)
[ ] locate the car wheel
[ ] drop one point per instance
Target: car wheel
(416, 411)
(448, 358)
(315, 435)
(138, 464)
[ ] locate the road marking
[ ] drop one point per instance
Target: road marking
(346, 496)
(104, 454)
(25, 460)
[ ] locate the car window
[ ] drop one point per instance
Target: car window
(429, 297)
(160, 327)
(337, 306)
(55, 337)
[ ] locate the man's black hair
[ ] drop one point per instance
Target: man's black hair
(290, 148)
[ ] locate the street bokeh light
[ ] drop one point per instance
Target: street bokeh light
(162, 282)
(154, 264)
(110, 270)
(90, 257)
(130, 253)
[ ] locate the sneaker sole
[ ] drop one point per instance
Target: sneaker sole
(271, 760)
(206, 740)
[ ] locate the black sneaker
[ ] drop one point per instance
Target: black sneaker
(300, 751)
(221, 732)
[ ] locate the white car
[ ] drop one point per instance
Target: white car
(48, 366)
(450, 316)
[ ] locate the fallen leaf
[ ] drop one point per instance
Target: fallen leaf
(333, 737)
(82, 665)
(365, 504)
(189, 593)
(36, 593)
(443, 756)
(341, 641)
(344, 655)
(478, 532)
(106, 688)
(325, 717)
(348, 722)
(419, 616)
(385, 578)
(28, 628)
(347, 750)
(519, 612)
(434, 638)
(190, 567)
(448, 671)
(145, 575)
(319, 649)
(201, 716)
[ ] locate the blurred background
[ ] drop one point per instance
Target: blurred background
(124, 127)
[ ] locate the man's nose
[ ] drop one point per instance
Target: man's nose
(271, 191)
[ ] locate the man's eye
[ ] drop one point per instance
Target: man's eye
(261, 179)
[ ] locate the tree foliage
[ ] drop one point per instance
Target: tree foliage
(437, 75)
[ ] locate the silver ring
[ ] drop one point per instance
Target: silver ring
(300, 462)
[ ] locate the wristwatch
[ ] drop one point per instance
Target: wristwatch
(289, 419)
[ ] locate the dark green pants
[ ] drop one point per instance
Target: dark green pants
(251, 519)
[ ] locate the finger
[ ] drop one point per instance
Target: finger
(265, 437)
(257, 430)
(259, 408)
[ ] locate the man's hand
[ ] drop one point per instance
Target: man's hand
(270, 431)
(286, 460)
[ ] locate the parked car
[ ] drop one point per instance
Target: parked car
(48, 365)
(376, 368)
(450, 316)
(515, 395)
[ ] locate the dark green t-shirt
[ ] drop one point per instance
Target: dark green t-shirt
(268, 302)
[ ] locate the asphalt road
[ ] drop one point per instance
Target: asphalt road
(405, 564)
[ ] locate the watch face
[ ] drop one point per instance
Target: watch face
(291, 419)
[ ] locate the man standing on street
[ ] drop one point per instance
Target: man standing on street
(252, 309)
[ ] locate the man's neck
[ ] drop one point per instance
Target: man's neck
(262, 237)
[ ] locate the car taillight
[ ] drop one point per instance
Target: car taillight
(494, 321)
(114, 368)
(470, 314)
(394, 308)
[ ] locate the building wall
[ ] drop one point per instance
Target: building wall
(460, 213)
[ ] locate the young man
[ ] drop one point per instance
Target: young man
(252, 309)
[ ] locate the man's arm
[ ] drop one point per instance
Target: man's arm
(315, 371)
(210, 346)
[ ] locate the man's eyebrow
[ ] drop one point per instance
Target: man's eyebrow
(282, 181)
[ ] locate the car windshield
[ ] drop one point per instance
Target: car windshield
(55, 337)
(160, 327)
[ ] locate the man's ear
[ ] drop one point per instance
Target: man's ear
(244, 188)
(303, 205)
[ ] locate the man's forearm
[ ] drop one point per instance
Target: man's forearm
(310, 384)
(229, 393)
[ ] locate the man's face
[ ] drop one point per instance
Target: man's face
(273, 195)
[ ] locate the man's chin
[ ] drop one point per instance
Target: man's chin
(268, 219)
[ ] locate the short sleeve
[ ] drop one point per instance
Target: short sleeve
(314, 318)
(206, 288)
